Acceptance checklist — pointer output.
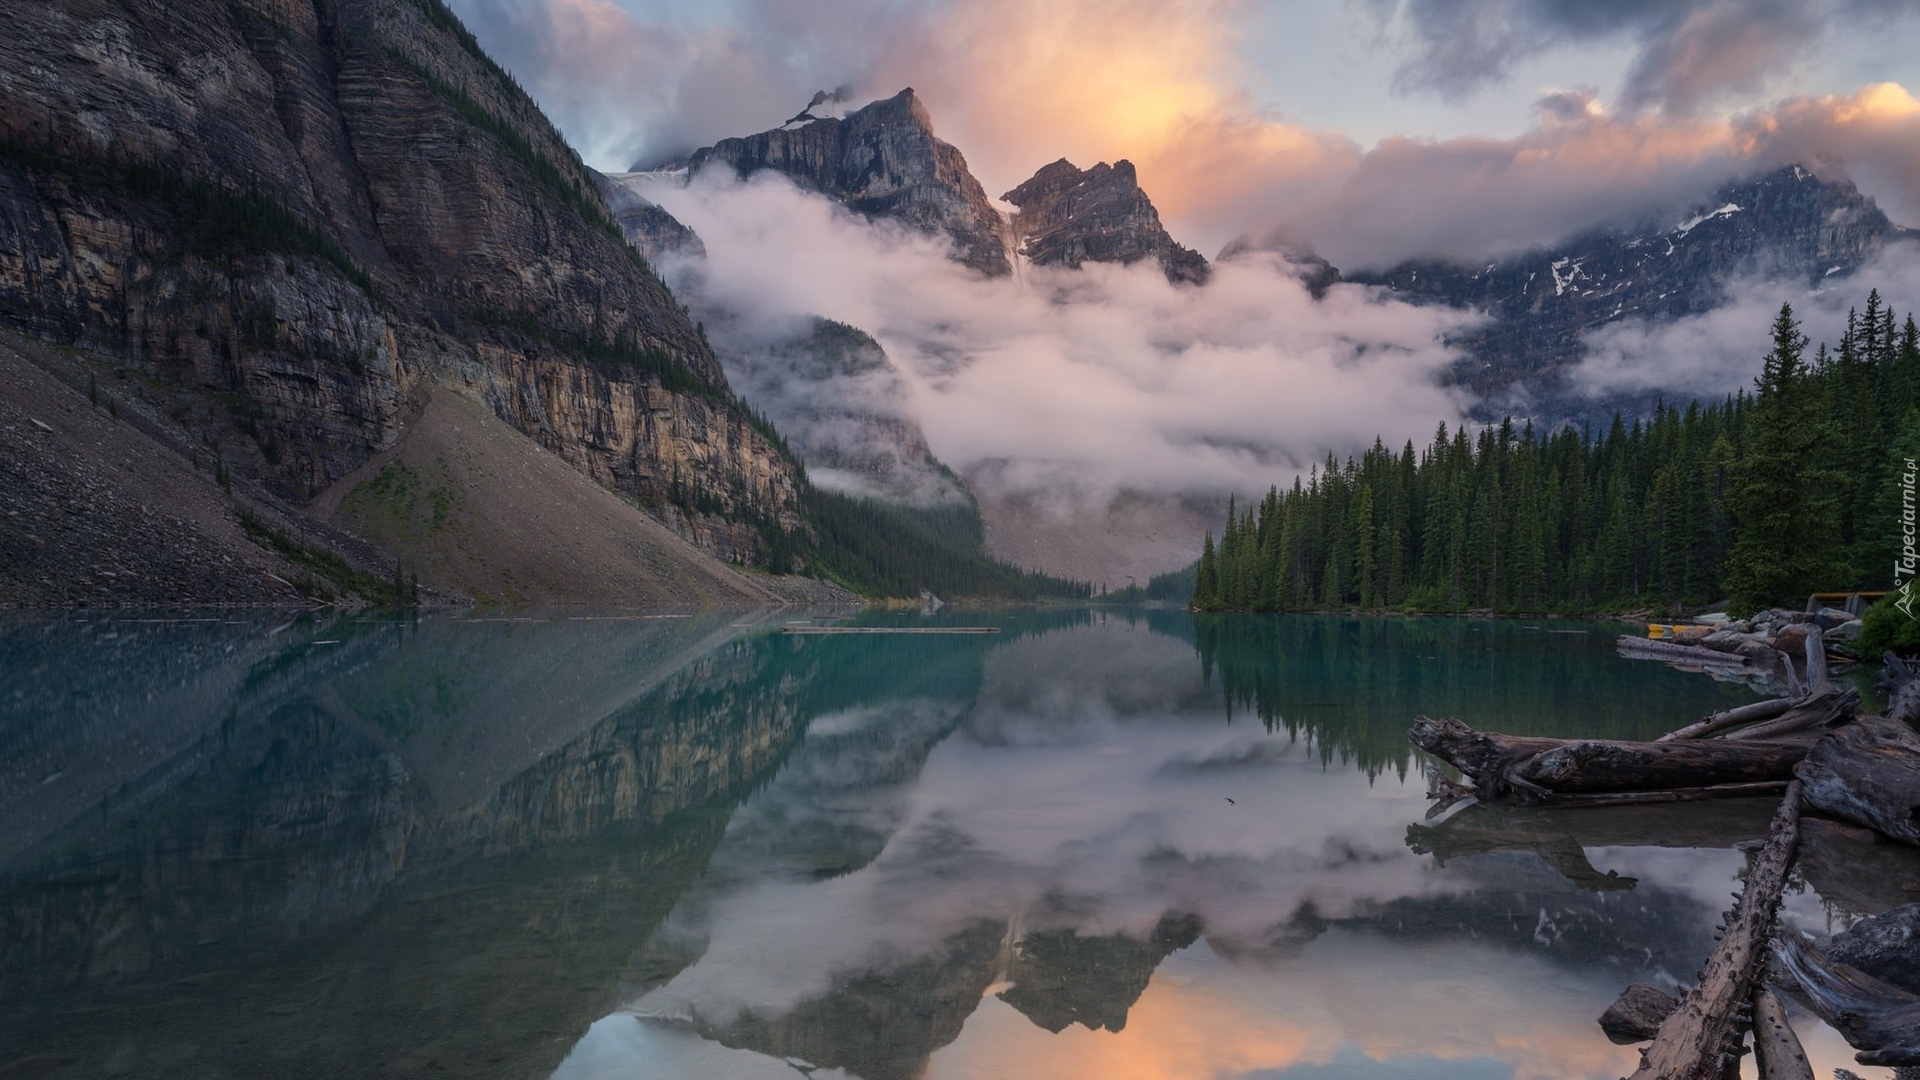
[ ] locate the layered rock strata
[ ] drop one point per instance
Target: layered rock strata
(1069, 216)
(652, 231)
(285, 215)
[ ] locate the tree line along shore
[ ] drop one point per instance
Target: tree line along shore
(1756, 500)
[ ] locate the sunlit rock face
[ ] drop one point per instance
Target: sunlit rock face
(286, 216)
(882, 161)
(1069, 216)
(1788, 225)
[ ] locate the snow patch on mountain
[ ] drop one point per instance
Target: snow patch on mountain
(1691, 223)
(826, 105)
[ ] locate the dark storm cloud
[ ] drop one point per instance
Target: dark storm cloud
(1688, 51)
(595, 66)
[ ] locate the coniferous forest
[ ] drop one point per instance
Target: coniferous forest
(1760, 499)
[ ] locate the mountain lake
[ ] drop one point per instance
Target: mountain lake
(1123, 844)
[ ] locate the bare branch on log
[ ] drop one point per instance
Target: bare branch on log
(1823, 708)
(1730, 718)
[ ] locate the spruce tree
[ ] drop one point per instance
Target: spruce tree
(1783, 505)
(1206, 579)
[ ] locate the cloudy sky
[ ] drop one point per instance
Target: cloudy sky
(1378, 129)
(1375, 130)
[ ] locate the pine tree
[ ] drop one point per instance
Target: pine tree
(1783, 503)
(1206, 581)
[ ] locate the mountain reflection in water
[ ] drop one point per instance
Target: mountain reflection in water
(686, 845)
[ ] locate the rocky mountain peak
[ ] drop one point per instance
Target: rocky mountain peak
(1315, 272)
(1790, 224)
(1069, 216)
(881, 161)
(826, 105)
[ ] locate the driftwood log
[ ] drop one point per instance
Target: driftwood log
(1878, 1019)
(1539, 769)
(1648, 648)
(1816, 659)
(1777, 1052)
(1701, 1037)
(1868, 772)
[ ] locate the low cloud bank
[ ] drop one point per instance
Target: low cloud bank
(1078, 384)
(1711, 355)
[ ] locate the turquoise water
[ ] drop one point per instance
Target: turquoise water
(676, 844)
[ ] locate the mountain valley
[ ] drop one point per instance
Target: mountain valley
(297, 301)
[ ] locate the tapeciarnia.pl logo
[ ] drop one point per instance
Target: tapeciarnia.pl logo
(1909, 560)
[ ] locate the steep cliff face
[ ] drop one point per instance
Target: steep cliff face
(1070, 216)
(882, 161)
(840, 401)
(648, 227)
(1788, 225)
(286, 213)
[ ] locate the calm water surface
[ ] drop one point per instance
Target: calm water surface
(686, 845)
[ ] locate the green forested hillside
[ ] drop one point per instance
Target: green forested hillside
(1761, 498)
(882, 549)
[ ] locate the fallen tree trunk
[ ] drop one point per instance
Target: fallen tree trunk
(1879, 1020)
(1647, 648)
(1777, 1052)
(1699, 1039)
(1868, 772)
(1505, 766)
